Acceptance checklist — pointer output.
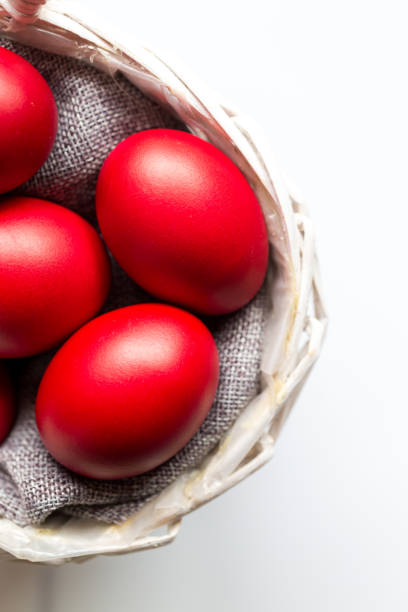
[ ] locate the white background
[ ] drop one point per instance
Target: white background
(323, 527)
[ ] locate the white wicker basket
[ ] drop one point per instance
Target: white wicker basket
(296, 325)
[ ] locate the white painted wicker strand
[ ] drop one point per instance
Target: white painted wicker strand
(296, 325)
(22, 11)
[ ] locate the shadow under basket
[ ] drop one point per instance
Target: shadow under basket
(281, 330)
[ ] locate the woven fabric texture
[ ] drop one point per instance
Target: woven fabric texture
(96, 112)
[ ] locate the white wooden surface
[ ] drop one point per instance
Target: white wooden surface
(323, 526)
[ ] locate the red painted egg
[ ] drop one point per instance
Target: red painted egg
(54, 275)
(6, 404)
(28, 120)
(127, 391)
(182, 220)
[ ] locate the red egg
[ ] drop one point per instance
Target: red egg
(182, 220)
(127, 391)
(54, 275)
(28, 120)
(6, 404)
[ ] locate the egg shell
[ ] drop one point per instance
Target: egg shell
(28, 120)
(183, 221)
(7, 405)
(54, 275)
(127, 391)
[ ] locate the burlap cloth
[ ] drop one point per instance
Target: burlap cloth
(95, 113)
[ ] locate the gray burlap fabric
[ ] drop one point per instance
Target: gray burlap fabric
(95, 113)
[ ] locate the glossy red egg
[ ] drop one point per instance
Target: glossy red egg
(54, 275)
(127, 391)
(6, 404)
(28, 120)
(182, 220)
